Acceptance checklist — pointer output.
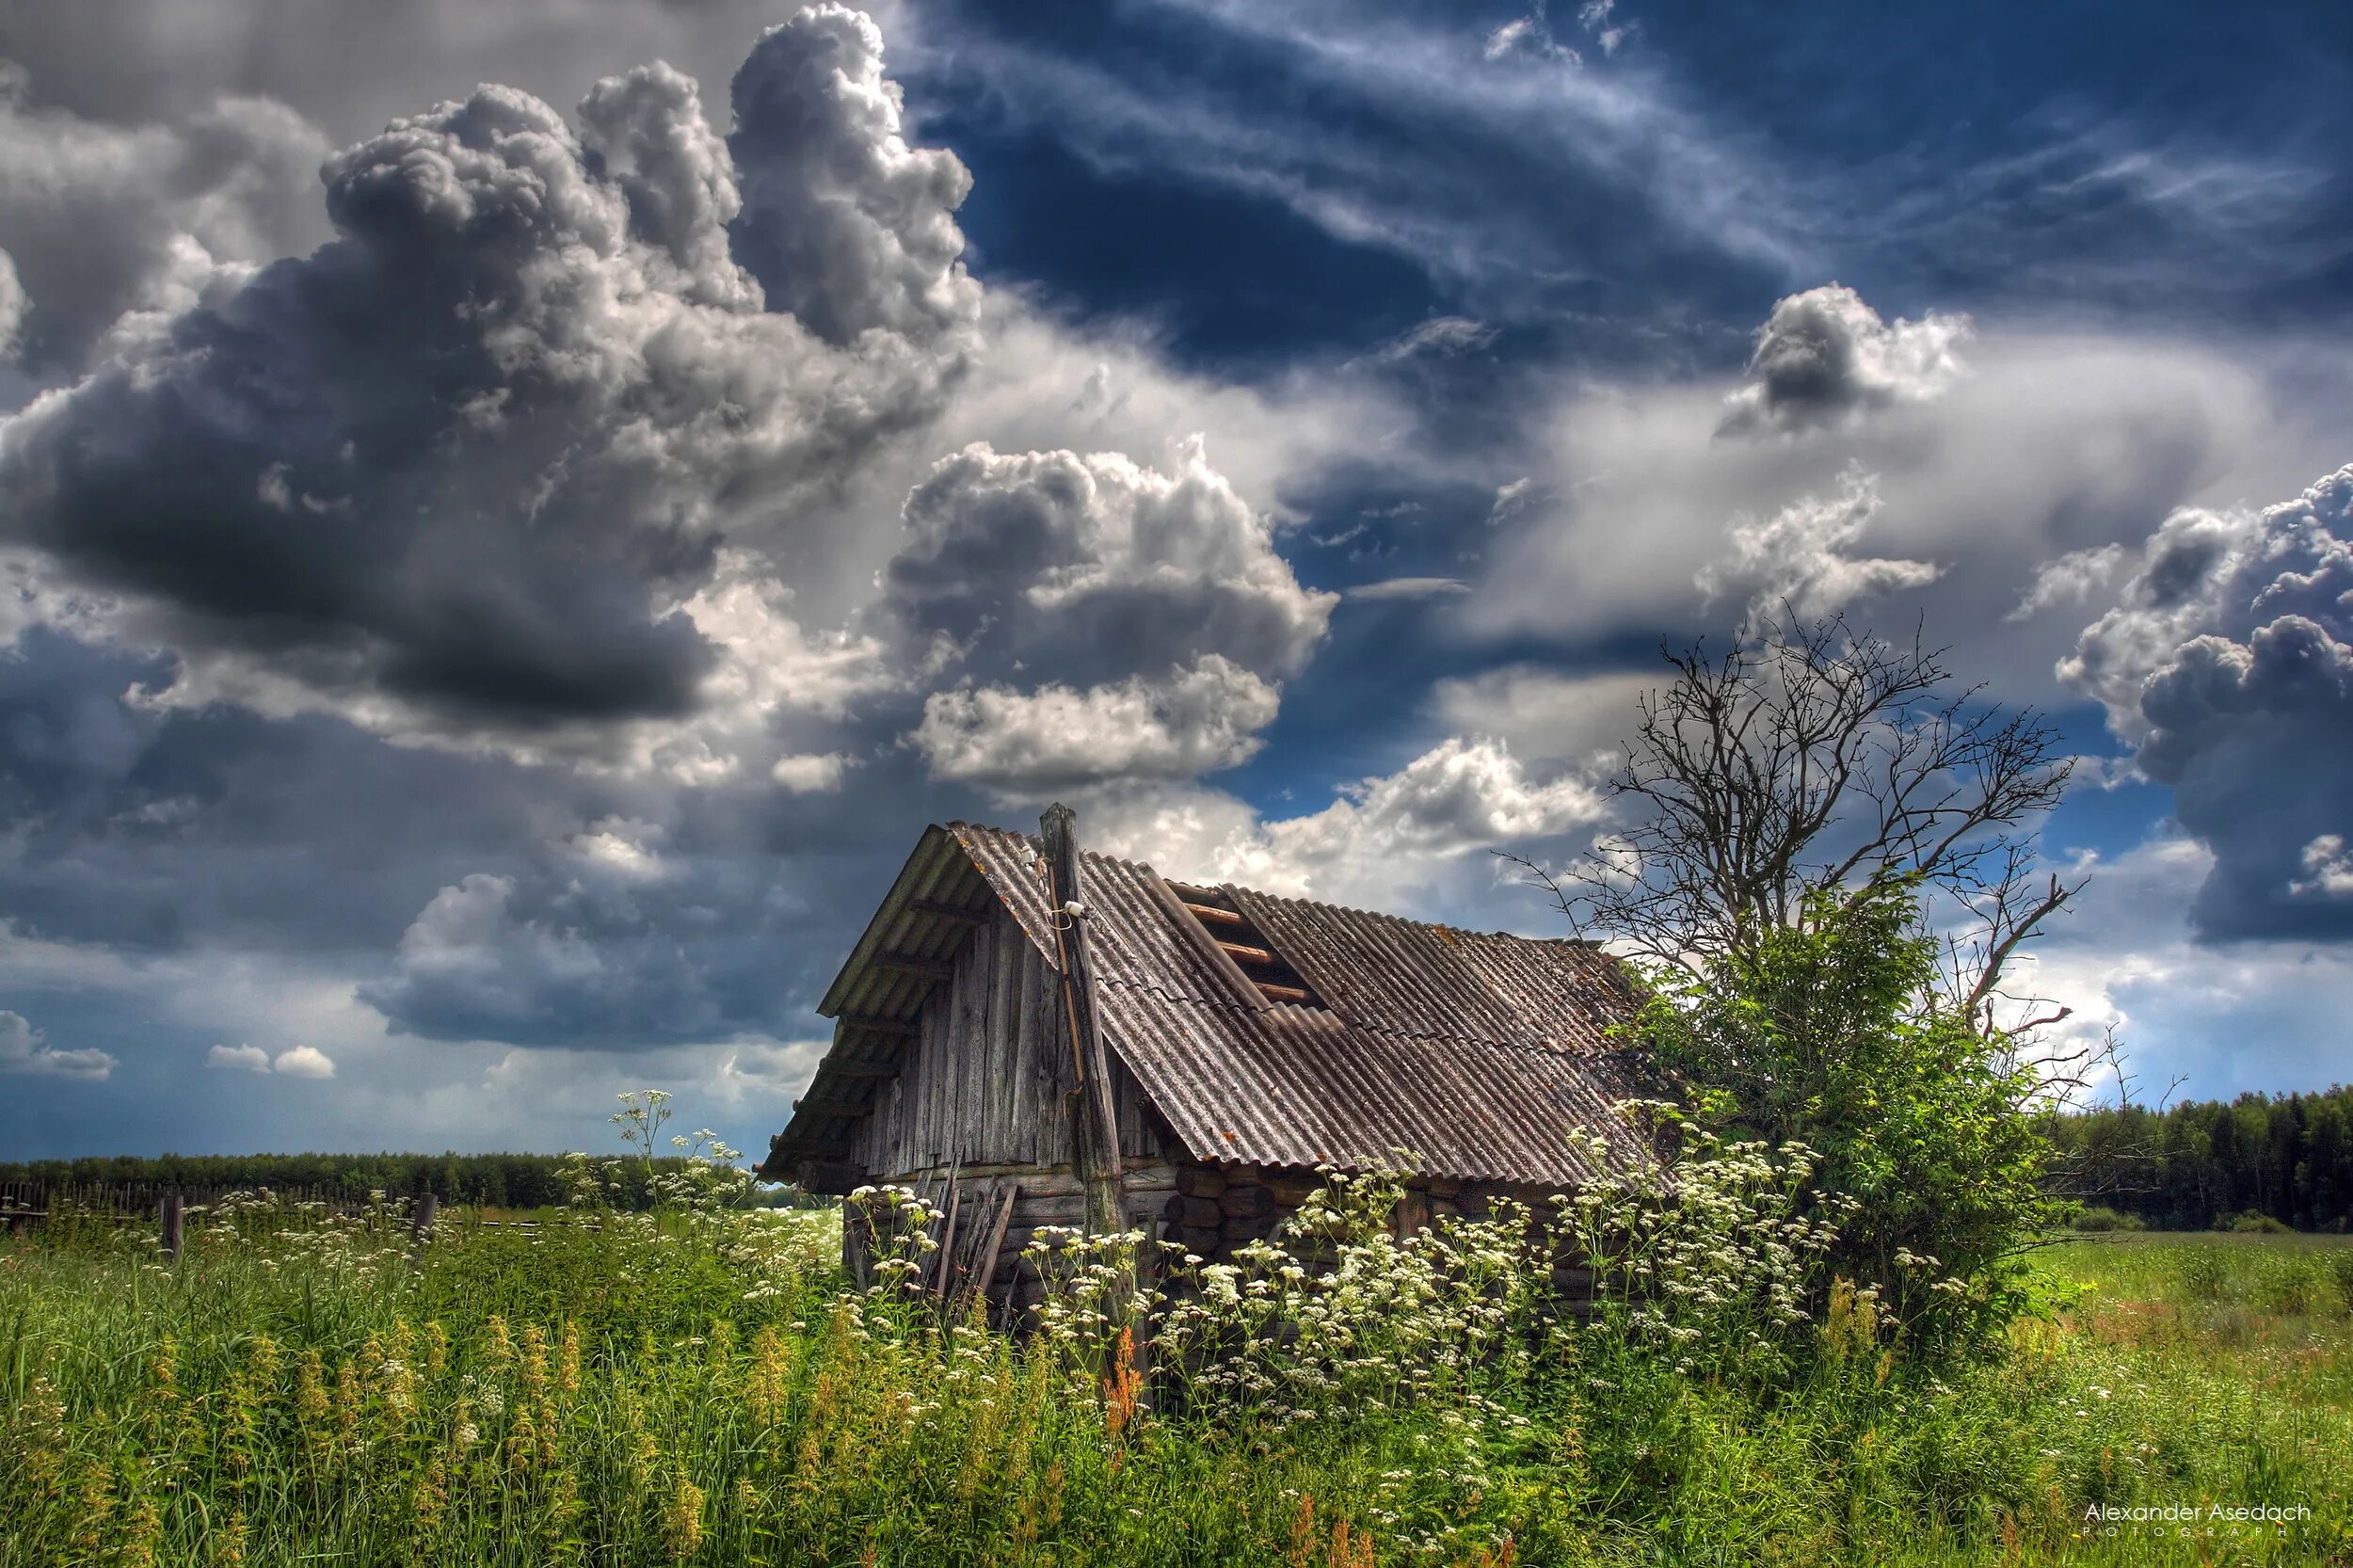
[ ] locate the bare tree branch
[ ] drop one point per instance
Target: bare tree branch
(1810, 762)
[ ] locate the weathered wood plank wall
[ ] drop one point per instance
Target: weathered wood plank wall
(986, 1081)
(983, 1091)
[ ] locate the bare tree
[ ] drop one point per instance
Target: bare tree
(1809, 763)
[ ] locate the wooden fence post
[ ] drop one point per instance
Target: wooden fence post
(428, 1206)
(171, 1213)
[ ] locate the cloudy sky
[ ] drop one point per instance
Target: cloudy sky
(513, 516)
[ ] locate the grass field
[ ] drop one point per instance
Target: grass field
(699, 1389)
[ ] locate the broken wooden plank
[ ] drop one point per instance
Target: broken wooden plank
(996, 1242)
(948, 1238)
(1198, 938)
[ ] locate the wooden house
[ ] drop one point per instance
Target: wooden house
(1242, 1039)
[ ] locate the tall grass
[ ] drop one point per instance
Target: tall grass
(702, 1386)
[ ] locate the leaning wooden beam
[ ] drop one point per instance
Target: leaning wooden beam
(1212, 915)
(1284, 993)
(996, 1242)
(1244, 952)
(1098, 1124)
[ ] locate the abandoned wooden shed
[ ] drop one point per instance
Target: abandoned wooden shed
(1245, 1040)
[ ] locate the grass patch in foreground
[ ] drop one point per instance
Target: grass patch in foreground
(698, 1390)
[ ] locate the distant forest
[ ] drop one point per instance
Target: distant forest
(2193, 1166)
(2202, 1163)
(494, 1180)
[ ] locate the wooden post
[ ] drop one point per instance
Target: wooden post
(428, 1209)
(1098, 1122)
(171, 1207)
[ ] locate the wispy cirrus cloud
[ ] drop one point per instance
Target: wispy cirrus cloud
(1499, 170)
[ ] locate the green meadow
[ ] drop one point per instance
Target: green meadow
(701, 1387)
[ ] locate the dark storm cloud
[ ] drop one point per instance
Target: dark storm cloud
(12, 307)
(844, 225)
(133, 828)
(457, 469)
(100, 218)
(1098, 565)
(673, 916)
(522, 453)
(471, 896)
(2230, 667)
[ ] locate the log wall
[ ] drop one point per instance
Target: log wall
(1213, 1211)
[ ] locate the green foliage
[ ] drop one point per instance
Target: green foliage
(1831, 1033)
(295, 1392)
(2097, 1218)
(2203, 1162)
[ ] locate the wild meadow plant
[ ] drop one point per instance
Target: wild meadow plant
(702, 1385)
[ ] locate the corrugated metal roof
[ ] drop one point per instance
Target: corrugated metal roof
(1474, 1052)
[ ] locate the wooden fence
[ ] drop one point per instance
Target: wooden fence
(26, 1205)
(141, 1197)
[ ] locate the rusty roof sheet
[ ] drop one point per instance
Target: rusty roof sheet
(1472, 1052)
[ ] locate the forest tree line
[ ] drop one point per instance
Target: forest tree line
(2202, 1163)
(2191, 1167)
(491, 1180)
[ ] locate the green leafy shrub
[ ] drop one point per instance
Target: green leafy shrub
(1832, 1033)
(2252, 1223)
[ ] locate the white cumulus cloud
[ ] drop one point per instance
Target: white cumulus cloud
(1798, 556)
(294, 1062)
(1202, 717)
(27, 1049)
(1824, 356)
(2228, 667)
